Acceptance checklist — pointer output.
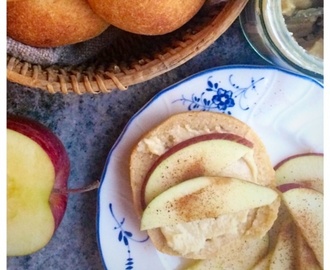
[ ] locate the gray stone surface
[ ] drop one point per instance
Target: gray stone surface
(88, 125)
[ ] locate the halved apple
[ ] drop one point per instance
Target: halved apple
(206, 155)
(306, 208)
(204, 197)
(37, 165)
(241, 254)
(301, 170)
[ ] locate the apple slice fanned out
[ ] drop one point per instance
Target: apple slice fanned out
(206, 155)
(305, 256)
(306, 208)
(202, 198)
(283, 216)
(283, 255)
(304, 169)
(241, 254)
(263, 263)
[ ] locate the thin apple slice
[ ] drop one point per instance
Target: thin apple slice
(305, 169)
(306, 208)
(204, 197)
(206, 155)
(304, 254)
(30, 180)
(283, 255)
(241, 254)
(263, 263)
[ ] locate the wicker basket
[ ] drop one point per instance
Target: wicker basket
(131, 59)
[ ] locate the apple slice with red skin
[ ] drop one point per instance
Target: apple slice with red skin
(297, 172)
(209, 155)
(287, 186)
(301, 170)
(204, 197)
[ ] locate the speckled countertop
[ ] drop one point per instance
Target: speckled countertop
(88, 125)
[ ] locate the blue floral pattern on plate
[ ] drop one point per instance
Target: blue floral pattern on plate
(266, 98)
(218, 98)
(125, 236)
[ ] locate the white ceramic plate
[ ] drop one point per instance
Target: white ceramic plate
(285, 109)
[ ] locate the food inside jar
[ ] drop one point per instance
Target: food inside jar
(304, 19)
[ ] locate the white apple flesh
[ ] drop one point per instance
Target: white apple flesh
(304, 170)
(204, 197)
(212, 154)
(37, 166)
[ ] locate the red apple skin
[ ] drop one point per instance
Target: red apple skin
(295, 156)
(288, 186)
(56, 152)
(302, 184)
(181, 145)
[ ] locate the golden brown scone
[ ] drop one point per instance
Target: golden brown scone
(201, 123)
(147, 17)
(183, 126)
(47, 23)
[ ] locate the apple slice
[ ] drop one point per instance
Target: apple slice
(283, 216)
(306, 208)
(303, 169)
(304, 254)
(239, 255)
(204, 197)
(37, 165)
(263, 263)
(206, 155)
(283, 255)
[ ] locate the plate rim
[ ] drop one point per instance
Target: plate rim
(160, 93)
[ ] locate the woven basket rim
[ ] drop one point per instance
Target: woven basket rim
(82, 80)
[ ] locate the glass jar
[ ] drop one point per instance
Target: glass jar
(265, 29)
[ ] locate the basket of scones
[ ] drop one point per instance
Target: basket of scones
(96, 46)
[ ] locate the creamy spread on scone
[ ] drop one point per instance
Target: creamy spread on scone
(204, 238)
(193, 236)
(160, 143)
